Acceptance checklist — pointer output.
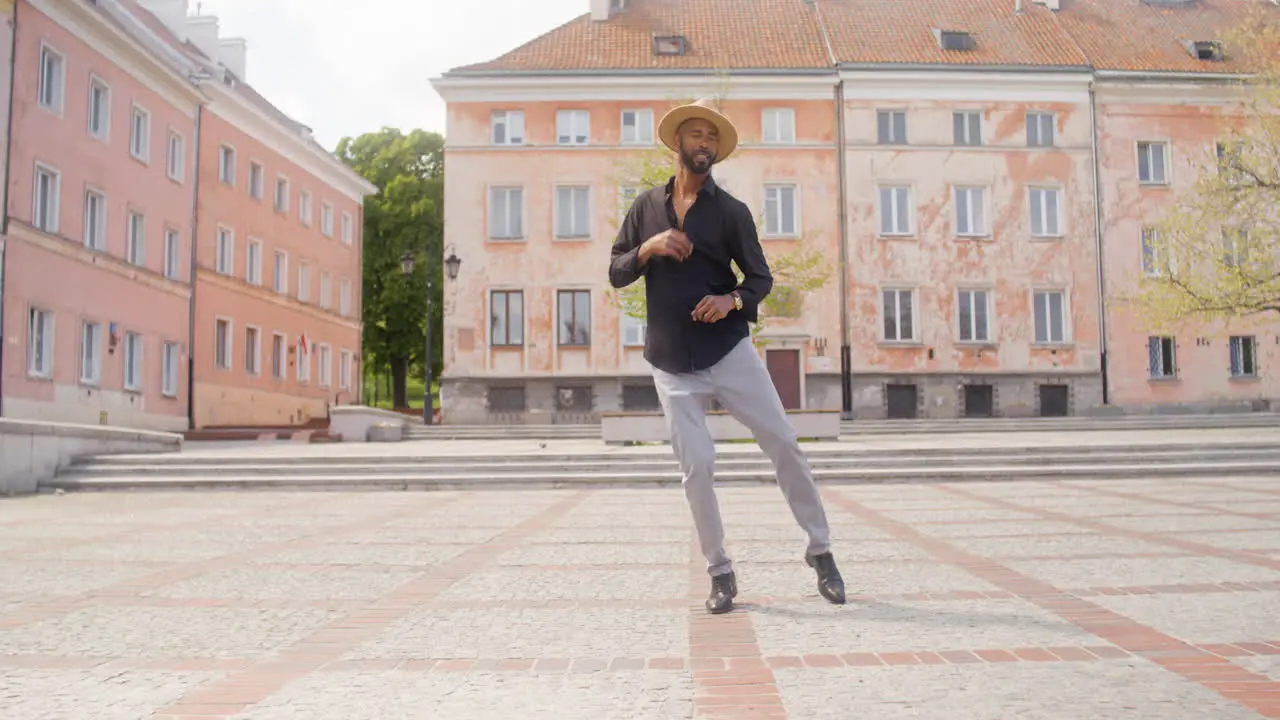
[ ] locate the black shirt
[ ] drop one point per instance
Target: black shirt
(721, 229)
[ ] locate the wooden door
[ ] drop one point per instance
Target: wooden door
(784, 368)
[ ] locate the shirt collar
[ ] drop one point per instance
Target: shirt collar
(708, 186)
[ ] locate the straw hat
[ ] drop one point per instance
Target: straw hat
(703, 109)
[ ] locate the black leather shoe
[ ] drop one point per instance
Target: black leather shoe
(724, 588)
(830, 584)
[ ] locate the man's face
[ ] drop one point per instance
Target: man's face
(699, 142)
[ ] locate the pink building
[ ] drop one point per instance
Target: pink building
(951, 159)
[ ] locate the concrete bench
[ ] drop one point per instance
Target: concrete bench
(632, 427)
(355, 422)
(32, 452)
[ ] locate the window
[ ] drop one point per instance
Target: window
(892, 127)
(778, 126)
(348, 229)
(1244, 356)
(326, 219)
(1160, 356)
(280, 276)
(780, 216)
(1049, 307)
(253, 263)
(222, 344)
(252, 350)
(304, 363)
(1040, 129)
(637, 127)
(507, 127)
(282, 194)
(52, 79)
(99, 109)
(506, 318)
(974, 314)
(140, 134)
(626, 198)
(895, 210)
(573, 207)
(171, 371)
(344, 297)
(227, 164)
(225, 262)
(304, 283)
(1045, 213)
(574, 317)
(326, 366)
(1157, 259)
(572, 127)
(304, 207)
(633, 330)
(278, 351)
(172, 254)
(90, 353)
(136, 253)
(47, 199)
(176, 161)
(899, 317)
(1235, 247)
(967, 127)
(95, 220)
(255, 180)
(132, 362)
(344, 370)
(971, 211)
(506, 213)
(326, 290)
(40, 343)
(1152, 161)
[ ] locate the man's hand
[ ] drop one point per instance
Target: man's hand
(668, 243)
(713, 308)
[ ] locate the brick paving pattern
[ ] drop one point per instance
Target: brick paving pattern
(977, 601)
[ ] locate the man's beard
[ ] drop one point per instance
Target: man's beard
(697, 163)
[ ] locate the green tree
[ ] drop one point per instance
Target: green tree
(1216, 249)
(406, 214)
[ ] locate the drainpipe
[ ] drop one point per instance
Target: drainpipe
(4, 191)
(1097, 229)
(191, 305)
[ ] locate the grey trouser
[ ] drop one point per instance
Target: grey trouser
(741, 382)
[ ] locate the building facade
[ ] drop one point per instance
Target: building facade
(159, 209)
(965, 171)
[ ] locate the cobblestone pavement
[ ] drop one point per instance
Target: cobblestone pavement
(1031, 600)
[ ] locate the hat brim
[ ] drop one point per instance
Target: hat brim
(672, 121)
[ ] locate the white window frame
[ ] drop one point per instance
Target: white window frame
(304, 364)
(964, 197)
(257, 180)
(987, 306)
(40, 363)
(1047, 191)
(774, 196)
(512, 338)
(53, 99)
(95, 220)
(1049, 340)
(52, 222)
(222, 357)
(632, 331)
(970, 126)
(280, 272)
(135, 238)
(324, 363)
(143, 153)
(224, 260)
(284, 189)
(326, 218)
(898, 291)
(172, 253)
(104, 132)
(279, 356)
(227, 164)
(641, 127)
(782, 122)
(896, 230)
(1037, 123)
(891, 138)
(132, 361)
(304, 282)
(573, 127)
(573, 232)
(1157, 343)
(171, 371)
(305, 213)
(627, 195)
(90, 353)
(344, 297)
(1235, 356)
(505, 233)
(1143, 150)
(176, 156)
(506, 119)
(326, 290)
(344, 370)
(253, 262)
(252, 350)
(348, 228)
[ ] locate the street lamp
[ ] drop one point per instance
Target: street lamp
(452, 265)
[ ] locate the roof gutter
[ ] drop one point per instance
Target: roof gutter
(641, 72)
(1159, 76)
(4, 194)
(936, 67)
(1100, 261)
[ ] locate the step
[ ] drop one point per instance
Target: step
(975, 472)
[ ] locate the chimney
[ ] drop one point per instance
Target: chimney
(171, 13)
(202, 31)
(600, 9)
(233, 53)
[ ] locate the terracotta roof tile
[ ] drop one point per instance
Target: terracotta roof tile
(901, 31)
(722, 34)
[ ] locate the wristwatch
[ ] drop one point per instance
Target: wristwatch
(737, 300)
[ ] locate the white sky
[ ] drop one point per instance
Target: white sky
(346, 67)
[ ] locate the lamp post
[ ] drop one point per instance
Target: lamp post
(451, 264)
